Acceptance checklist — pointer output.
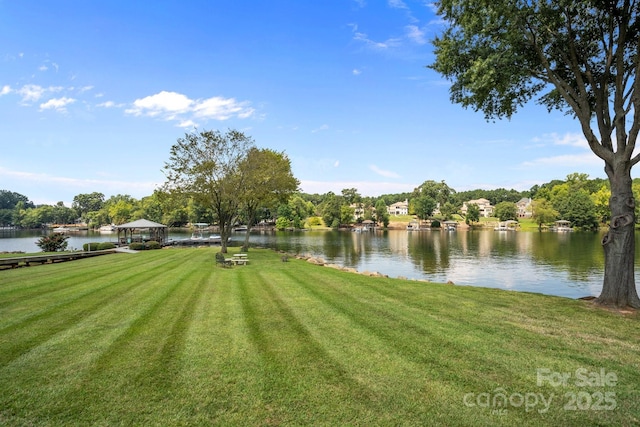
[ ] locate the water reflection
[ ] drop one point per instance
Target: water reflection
(565, 264)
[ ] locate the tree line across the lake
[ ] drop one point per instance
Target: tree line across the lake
(579, 199)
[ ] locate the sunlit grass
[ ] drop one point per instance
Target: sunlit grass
(167, 338)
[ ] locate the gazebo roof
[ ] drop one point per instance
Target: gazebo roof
(141, 223)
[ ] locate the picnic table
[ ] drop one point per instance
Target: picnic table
(240, 259)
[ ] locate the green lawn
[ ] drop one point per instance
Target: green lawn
(167, 338)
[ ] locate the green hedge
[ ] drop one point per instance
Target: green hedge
(153, 245)
(93, 246)
(138, 246)
(106, 245)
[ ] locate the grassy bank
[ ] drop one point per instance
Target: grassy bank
(167, 338)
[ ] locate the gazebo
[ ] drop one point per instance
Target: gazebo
(133, 232)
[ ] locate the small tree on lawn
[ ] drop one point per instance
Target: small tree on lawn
(55, 242)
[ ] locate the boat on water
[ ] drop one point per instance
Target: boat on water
(562, 226)
(450, 225)
(241, 228)
(510, 225)
(107, 229)
(61, 230)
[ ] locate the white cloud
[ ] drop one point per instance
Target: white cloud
(106, 104)
(58, 104)
(366, 188)
(432, 6)
(382, 172)
(566, 160)
(218, 108)
(187, 124)
(6, 89)
(387, 44)
(175, 106)
(416, 34)
(161, 104)
(397, 4)
(569, 138)
(356, 72)
(136, 189)
(585, 157)
(320, 129)
(31, 93)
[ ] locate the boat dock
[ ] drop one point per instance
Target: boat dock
(26, 261)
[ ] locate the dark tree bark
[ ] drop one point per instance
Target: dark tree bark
(619, 288)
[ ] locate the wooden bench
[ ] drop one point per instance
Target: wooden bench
(222, 261)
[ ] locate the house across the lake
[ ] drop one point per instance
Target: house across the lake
(486, 210)
(524, 208)
(399, 208)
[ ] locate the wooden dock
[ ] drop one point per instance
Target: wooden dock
(26, 261)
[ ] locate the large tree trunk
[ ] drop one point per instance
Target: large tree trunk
(225, 233)
(619, 288)
(250, 220)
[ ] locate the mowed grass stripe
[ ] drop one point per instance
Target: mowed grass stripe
(275, 343)
(300, 373)
(89, 275)
(31, 285)
(444, 356)
(137, 368)
(380, 346)
(62, 357)
(40, 319)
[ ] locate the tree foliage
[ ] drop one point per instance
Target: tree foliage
(505, 211)
(266, 181)
(424, 206)
(473, 214)
(543, 212)
(577, 207)
(54, 242)
(440, 192)
(85, 203)
(578, 57)
(206, 166)
(331, 210)
(382, 215)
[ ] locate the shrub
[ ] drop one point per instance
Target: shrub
(153, 245)
(106, 245)
(136, 246)
(314, 221)
(93, 246)
(435, 224)
(53, 243)
(282, 223)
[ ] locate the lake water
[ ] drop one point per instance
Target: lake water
(564, 264)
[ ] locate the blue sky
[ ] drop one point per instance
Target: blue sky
(93, 95)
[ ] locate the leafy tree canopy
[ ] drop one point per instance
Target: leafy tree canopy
(580, 57)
